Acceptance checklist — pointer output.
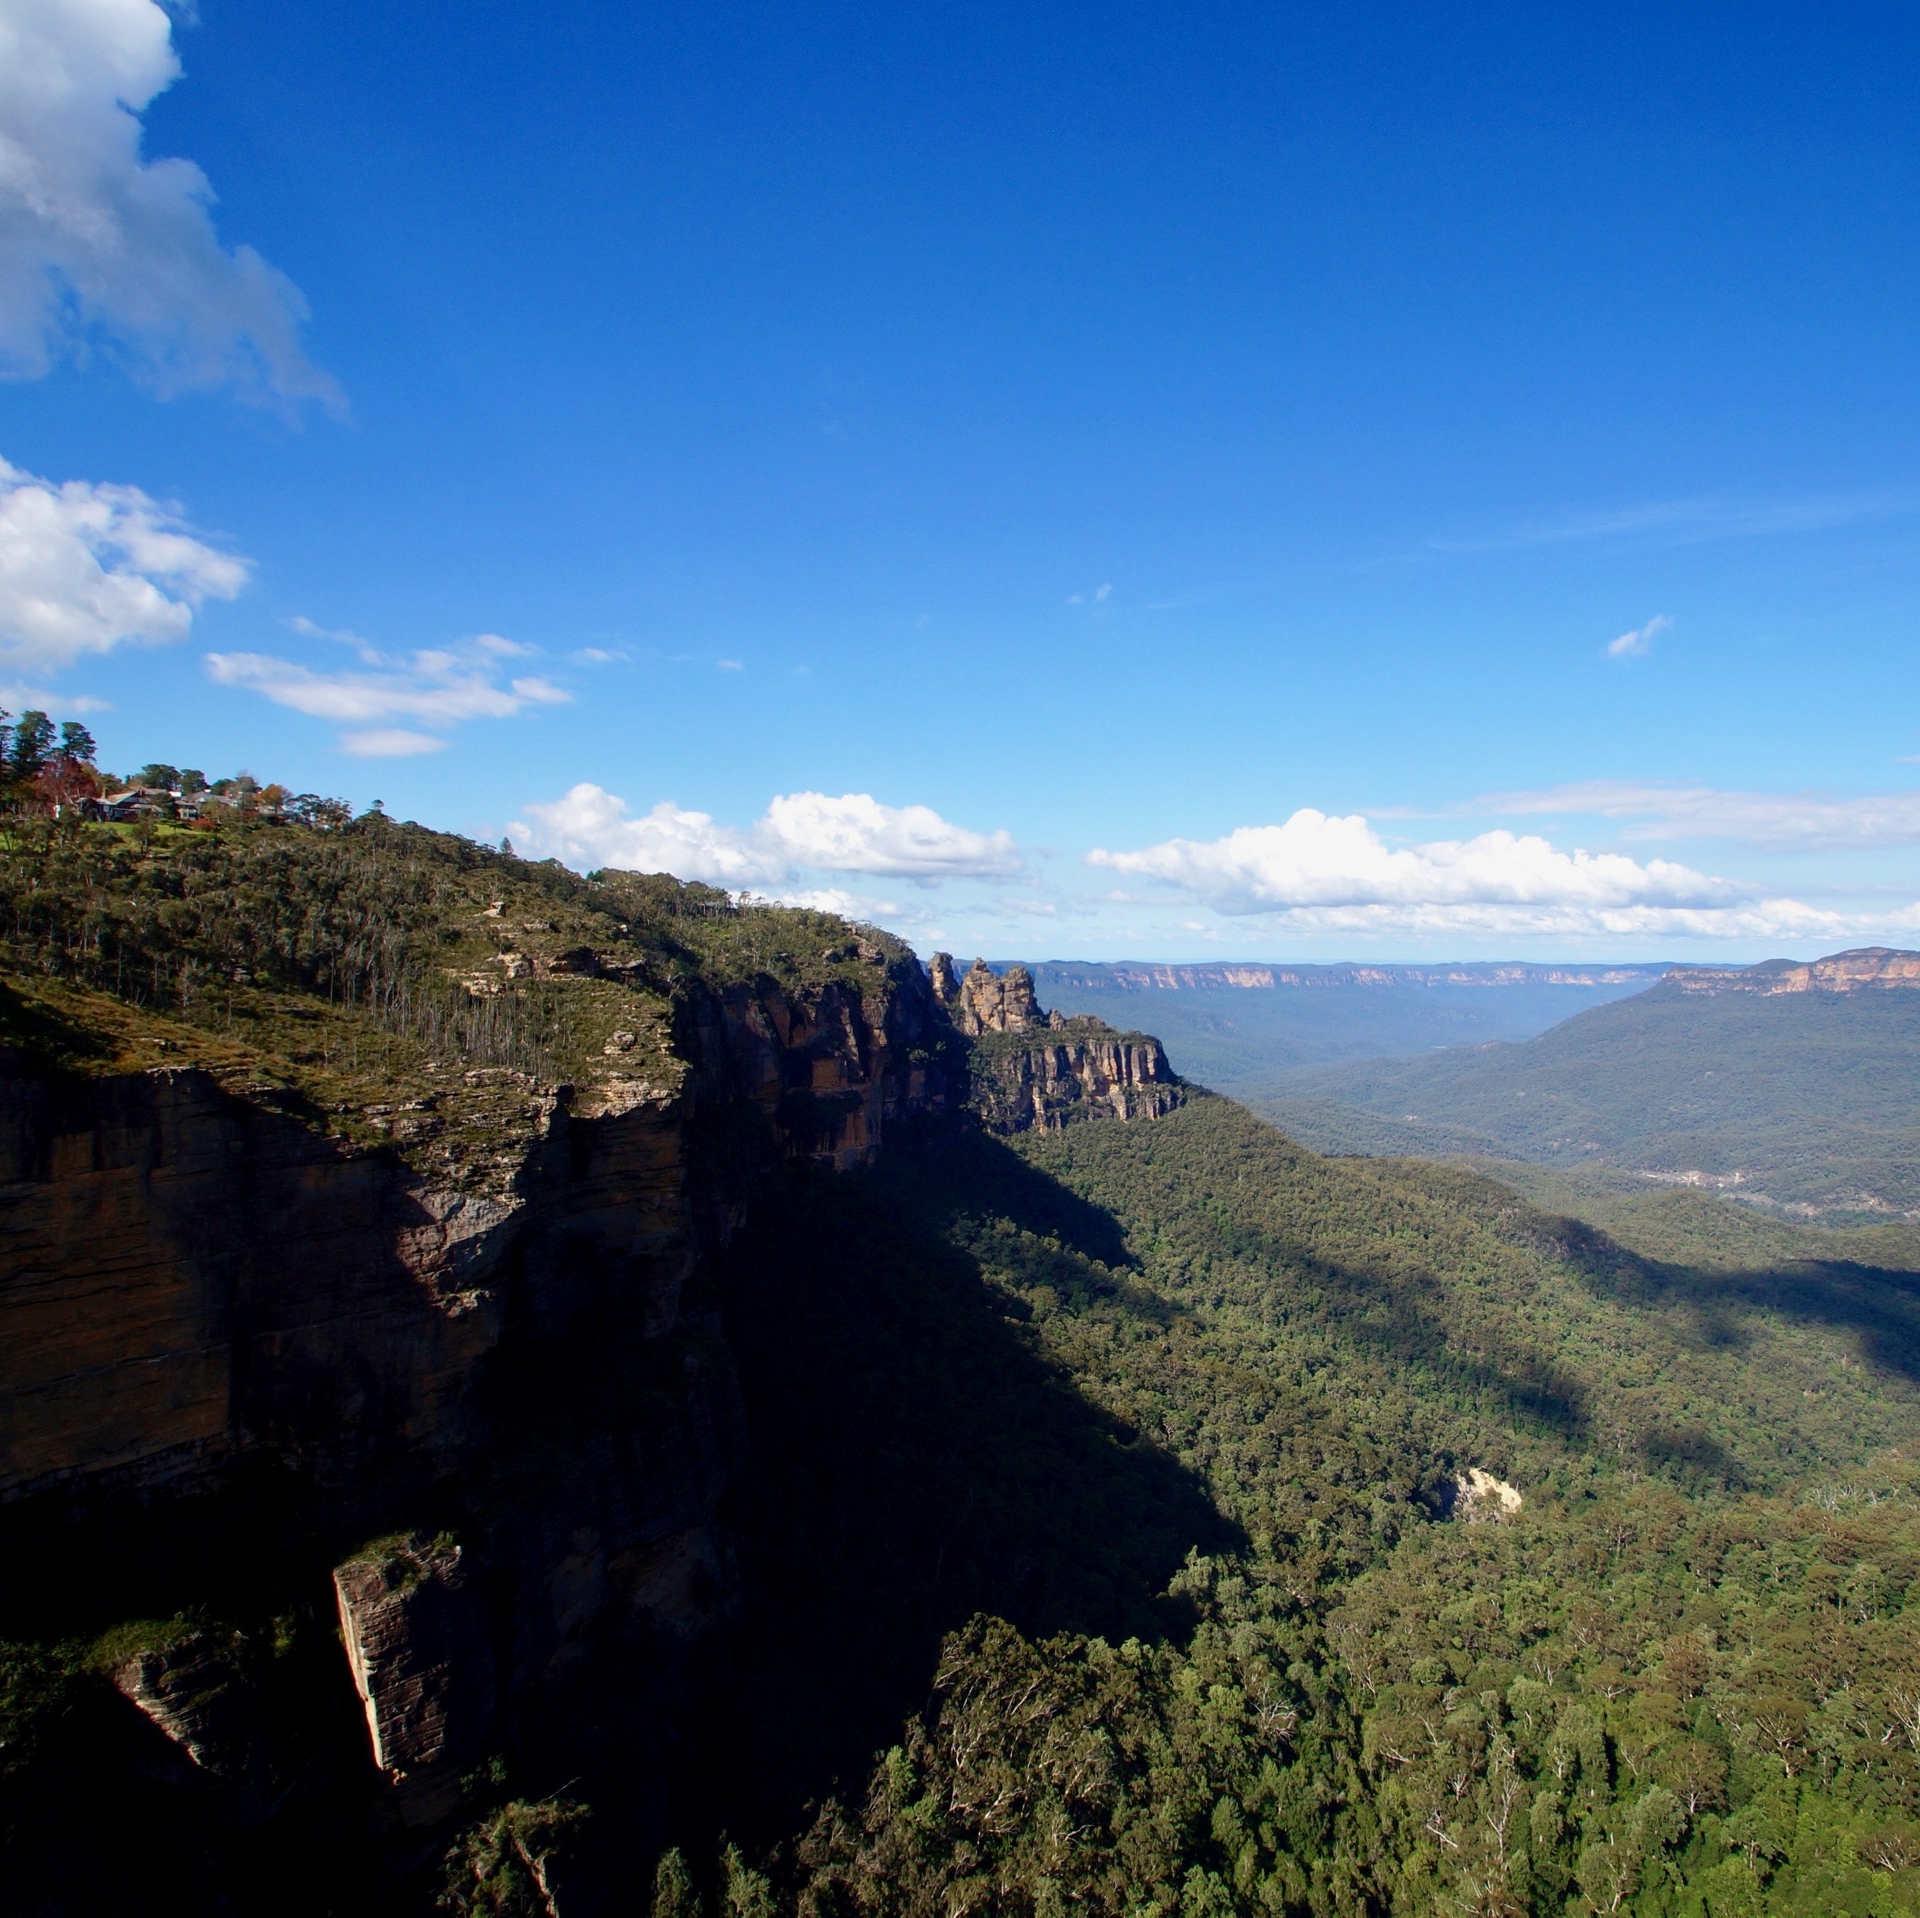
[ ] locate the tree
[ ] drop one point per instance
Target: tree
(674, 1895)
(745, 1893)
(32, 747)
(157, 773)
(324, 815)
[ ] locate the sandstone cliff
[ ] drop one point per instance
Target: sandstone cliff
(191, 1277)
(456, 1305)
(1030, 1068)
(1868, 969)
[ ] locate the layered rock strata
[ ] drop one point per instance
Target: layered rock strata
(416, 1640)
(1029, 1068)
(194, 1279)
(1869, 969)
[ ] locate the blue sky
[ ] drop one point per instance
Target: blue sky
(1096, 482)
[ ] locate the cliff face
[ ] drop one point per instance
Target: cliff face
(191, 1278)
(1871, 968)
(483, 1337)
(186, 1274)
(1034, 1069)
(1082, 1069)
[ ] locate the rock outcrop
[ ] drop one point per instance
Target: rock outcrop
(1081, 1069)
(1029, 1068)
(416, 1641)
(984, 1000)
(193, 1687)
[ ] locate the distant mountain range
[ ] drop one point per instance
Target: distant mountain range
(1791, 1085)
(1242, 976)
(1241, 1026)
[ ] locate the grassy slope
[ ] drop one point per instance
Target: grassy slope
(328, 971)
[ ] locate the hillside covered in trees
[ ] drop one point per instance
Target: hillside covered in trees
(1145, 1517)
(1802, 1099)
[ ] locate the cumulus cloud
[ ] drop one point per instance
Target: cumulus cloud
(437, 686)
(1784, 920)
(854, 833)
(1810, 822)
(1640, 641)
(588, 826)
(85, 568)
(99, 245)
(1316, 860)
(1319, 874)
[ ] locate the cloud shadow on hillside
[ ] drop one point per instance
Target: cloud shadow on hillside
(1880, 1305)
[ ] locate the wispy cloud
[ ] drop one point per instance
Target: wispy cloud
(1803, 821)
(1635, 644)
(98, 246)
(85, 568)
(437, 686)
(390, 742)
(1682, 522)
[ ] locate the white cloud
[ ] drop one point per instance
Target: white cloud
(1770, 919)
(390, 742)
(1777, 821)
(1640, 641)
(1322, 875)
(97, 244)
(85, 568)
(588, 827)
(854, 833)
(438, 686)
(1315, 860)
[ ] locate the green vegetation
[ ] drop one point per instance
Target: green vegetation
(1198, 1639)
(402, 988)
(1809, 1097)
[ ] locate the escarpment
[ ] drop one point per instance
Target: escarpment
(288, 1264)
(1033, 1069)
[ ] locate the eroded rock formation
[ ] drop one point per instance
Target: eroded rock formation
(1079, 1069)
(1031, 1068)
(415, 1635)
(986, 1001)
